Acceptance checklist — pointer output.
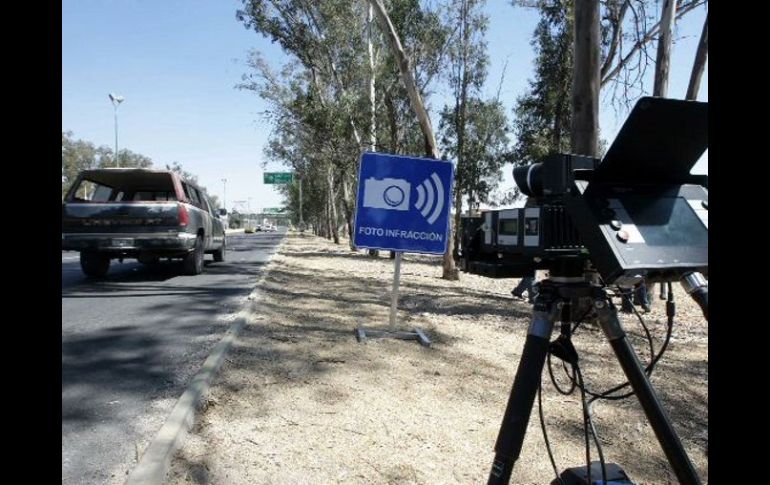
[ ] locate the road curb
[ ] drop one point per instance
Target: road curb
(156, 460)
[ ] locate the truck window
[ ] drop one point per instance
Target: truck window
(207, 204)
(201, 204)
(154, 196)
(89, 191)
(189, 191)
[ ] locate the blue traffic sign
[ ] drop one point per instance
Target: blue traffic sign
(403, 203)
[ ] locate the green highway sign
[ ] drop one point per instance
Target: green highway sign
(278, 177)
(274, 209)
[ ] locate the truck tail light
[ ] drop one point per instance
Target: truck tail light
(184, 217)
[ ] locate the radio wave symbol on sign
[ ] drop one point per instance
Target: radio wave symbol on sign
(430, 198)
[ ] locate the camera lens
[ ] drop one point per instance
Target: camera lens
(529, 179)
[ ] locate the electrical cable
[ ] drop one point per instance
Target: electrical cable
(589, 425)
(649, 368)
(556, 384)
(578, 382)
(545, 433)
(644, 326)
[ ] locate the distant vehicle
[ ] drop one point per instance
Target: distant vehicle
(119, 213)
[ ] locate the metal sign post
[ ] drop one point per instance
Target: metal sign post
(394, 294)
(403, 205)
(362, 333)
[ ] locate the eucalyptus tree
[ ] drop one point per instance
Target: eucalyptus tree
(700, 62)
(627, 28)
(322, 38)
(474, 131)
(542, 116)
(418, 106)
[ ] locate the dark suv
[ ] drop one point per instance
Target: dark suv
(118, 213)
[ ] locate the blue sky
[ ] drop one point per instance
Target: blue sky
(177, 62)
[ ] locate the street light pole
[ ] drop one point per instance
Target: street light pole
(116, 100)
(224, 181)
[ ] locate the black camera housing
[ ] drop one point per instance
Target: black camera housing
(638, 213)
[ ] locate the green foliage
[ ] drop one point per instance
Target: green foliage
(128, 159)
(542, 116)
(190, 177)
(318, 104)
(79, 155)
(426, 40)
(76, 155)
(485, 148)
(474, 131)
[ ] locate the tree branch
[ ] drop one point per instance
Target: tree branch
(647, 37)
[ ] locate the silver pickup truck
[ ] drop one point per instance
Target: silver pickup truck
(118, 213)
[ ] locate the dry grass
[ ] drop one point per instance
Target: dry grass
(299, 401)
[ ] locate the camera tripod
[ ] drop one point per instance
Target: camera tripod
(556, 300)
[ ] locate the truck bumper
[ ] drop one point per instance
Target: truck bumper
(130, 245)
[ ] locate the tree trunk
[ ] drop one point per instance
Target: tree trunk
(348, 210)
(663, 60)
(334, 226)
(406, 76)
(449, 269)
(700, 62)
(557, 122)
(372, 95)
(328, 216)
(640, 43)
(584, 135)
(460, 117)
(458, 214)
(392, 123)
(372, 79)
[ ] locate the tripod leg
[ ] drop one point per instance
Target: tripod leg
(667, 437)
(525, 385)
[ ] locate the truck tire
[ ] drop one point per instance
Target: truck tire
(219, 254)
(93, 264)
(193, 262)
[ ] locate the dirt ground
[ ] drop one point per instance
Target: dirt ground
(300, 401)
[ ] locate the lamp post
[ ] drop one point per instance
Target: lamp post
(224, 204)
(116, 100)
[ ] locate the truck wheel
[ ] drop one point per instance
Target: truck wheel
(193, 262)
(94, 265)
(219, 254)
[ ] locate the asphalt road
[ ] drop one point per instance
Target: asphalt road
(130, 345)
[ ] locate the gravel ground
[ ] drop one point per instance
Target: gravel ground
(299, 401)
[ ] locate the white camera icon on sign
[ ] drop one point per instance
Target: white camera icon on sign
(388, 193)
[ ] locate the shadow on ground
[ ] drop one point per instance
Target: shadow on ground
(305, 333)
